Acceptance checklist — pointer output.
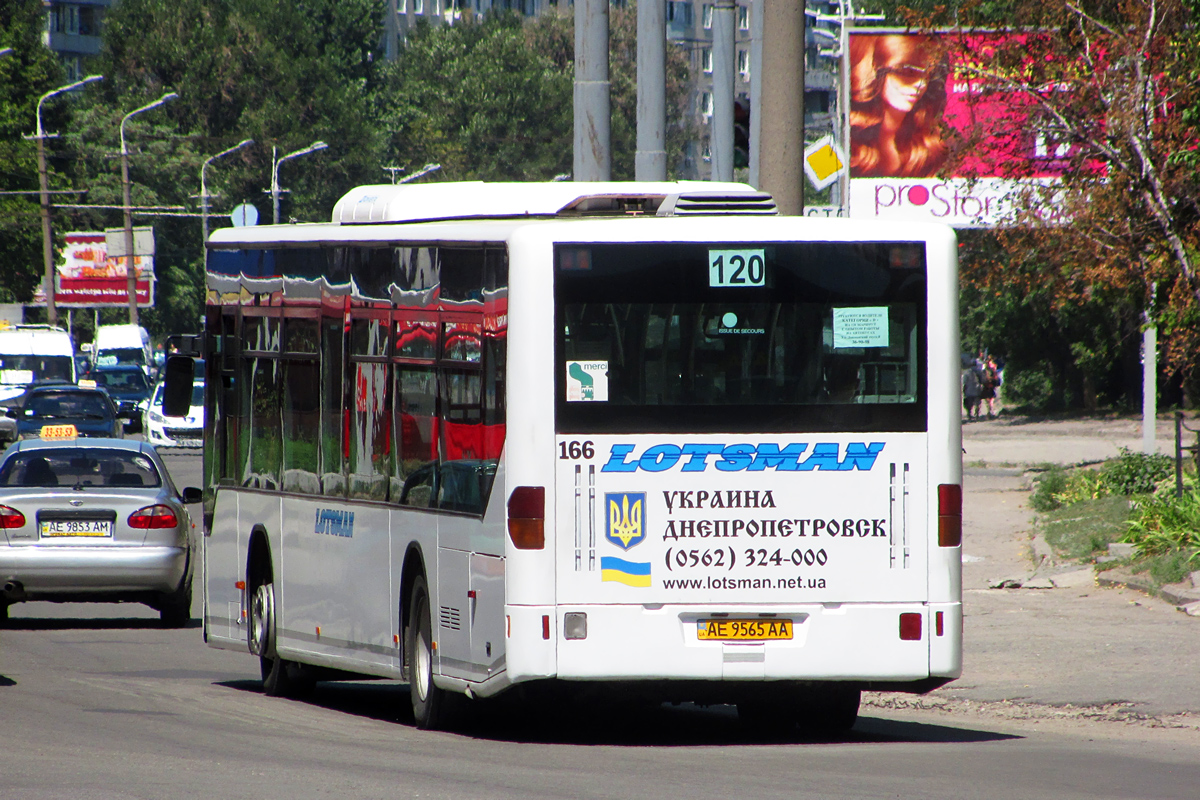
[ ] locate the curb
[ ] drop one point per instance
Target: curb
(1181, 595)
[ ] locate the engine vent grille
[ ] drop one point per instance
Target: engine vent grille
(451, 618)
(718, 203)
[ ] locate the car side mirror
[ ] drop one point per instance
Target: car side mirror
(192, 495)
(177, 391)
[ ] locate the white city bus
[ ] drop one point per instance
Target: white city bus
(652, 435)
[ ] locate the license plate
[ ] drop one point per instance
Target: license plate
(77, 527)
(744, 630)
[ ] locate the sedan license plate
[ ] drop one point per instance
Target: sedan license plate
(77, 527)
(744, 630)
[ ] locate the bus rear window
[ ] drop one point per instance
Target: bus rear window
(768, 337)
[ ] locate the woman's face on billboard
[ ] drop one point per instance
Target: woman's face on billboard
(904, 85)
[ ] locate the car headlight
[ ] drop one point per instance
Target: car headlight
(156, 417)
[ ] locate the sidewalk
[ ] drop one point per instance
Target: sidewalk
(1075, 643)
(1025, 442)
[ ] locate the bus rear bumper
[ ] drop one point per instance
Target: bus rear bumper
(869, 643)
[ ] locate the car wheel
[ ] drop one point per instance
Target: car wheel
(3, 612)
(175, 610)
(279, 678)
(427, 699)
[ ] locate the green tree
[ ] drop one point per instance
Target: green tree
(493, 101)
(25, 75)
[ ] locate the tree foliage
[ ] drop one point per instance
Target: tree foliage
(489, 100)
(29, 72)
(1114, 82)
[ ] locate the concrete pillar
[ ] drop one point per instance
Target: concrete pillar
(779, 105)
(593, 141)
(724, 30)
(650, 159)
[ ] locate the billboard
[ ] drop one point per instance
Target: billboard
(936, 136)
(88, 276)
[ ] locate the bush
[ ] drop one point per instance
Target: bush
(1136, 473)
(1163, 522)
(1049, 487)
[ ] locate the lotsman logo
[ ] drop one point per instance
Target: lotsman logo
(332, 522)
(824, 456)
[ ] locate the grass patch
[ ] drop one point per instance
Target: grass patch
(1083, 528)
(1173, 566)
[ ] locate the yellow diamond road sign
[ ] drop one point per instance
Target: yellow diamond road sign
(823, 162)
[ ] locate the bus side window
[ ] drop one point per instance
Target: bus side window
(416, 429)
(333, 469)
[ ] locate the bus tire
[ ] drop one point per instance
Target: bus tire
(428, 701)
(279, 678)
(830, 711)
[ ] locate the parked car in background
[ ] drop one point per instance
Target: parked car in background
(94, 520)
(167, 431)
(129, 389)
(90, 410)
(30, 353)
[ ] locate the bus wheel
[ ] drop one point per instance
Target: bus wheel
(427, 700)
(280, 678)
(831, 711)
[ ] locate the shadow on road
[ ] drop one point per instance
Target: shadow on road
(86, 624)
(6, 681)
(507, 719)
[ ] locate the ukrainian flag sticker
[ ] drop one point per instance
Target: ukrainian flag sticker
(630, 573)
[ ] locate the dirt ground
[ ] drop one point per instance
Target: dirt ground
(1071, 653)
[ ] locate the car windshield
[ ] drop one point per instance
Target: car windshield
(124, 381)
(27, 369)
(121, 355)
(67, 404)
(79, 466)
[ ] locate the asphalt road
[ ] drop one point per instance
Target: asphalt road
(99, 702)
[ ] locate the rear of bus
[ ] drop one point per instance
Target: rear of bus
(734, 457)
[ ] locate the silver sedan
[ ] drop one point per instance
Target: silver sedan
(86, 520)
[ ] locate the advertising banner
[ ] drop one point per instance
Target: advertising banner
(88, 276)
(937, 136)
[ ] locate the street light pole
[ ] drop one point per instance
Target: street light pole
(130, 269)
(44, 191)
(275, 162)
(204, 193)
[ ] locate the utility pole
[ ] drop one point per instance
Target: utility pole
(204, 193)
(720, 139)
(593, 140)
(650, 159)
(780, 149)
(126, 191)
(44, 191)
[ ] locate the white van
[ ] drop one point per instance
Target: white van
(31, 353)
(117, 345)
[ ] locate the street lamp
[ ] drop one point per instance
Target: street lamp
(204, 192)
(130, 270)
(44, 186)
(275, 190)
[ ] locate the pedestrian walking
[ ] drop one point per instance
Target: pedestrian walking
(989, 389)
(972, 387)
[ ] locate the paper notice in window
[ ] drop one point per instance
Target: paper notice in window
(587, 381)
(865, 326)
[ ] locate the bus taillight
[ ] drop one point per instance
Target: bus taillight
(949, 515)
(527, 517)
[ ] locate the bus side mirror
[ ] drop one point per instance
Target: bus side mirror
(177, 391)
